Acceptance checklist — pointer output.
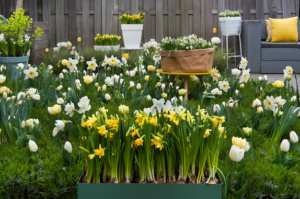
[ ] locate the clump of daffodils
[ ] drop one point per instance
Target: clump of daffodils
(132, 19)
(107, 40)
(229, 13)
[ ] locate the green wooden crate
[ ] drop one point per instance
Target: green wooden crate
(148, 191)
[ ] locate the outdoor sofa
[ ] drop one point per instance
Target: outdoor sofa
(268, 57)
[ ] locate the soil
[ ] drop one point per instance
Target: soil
(172, 179)
(192, 179)
(160, 179)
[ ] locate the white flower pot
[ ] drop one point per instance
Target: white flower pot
(230, 25)
(132, 35)
(106, 48)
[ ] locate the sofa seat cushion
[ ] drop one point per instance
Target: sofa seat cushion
(265, 44)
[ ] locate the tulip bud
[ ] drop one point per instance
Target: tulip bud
(5, 95)
(61, 76)
(104, 88)
(60, 100)
(68, 147)
(149, 97)
(138, 86)
(147, 78)
(247, 131)
(23, 124)
(236, 154)
(163, 86)
(259, 110)
(164, 95)
(59, 87)
(32, 146)
(242, 85)
(237, 92)
(285, 145)
(107, 97)
(294, 137)
(55, 131)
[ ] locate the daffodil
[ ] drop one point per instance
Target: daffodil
(99, 152)
(31, 73)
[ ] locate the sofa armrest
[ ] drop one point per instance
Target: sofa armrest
(251, 43)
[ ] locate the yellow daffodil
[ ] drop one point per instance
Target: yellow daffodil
(102, 131)
(99, 152)
(139, 142)
(207, 133)
(278, 84)
(88, 79)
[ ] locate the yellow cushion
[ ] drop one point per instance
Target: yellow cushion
(284, 30)
(269, 30)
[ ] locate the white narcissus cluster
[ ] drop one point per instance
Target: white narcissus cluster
(287, 73)
(112, 61)
(224, 85)
(84, 104)
(92, 65)
(216, 40)
(31, 73)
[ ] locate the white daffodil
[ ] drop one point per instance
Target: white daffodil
(214, 91)
(235, 72)
(243, 63)
(84, 104)
(92, 65)
(224, 85)
(256, 102)
(270, 103)
(36, 97)
(31, 73)
(216, 108)
(288, 70)
(72, 64)
(55, 131)
(294, 98)
(70, 109)
(31, 91)
(245, 76)
(280, 101)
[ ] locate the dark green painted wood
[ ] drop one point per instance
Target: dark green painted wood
(149, 191)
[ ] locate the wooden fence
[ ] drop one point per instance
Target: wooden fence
(72, 18)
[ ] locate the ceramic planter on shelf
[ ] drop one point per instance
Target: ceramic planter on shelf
(230, 25)
(148, 191)
(106, 48)
(132, 35)
(11, 62)
(187, 61)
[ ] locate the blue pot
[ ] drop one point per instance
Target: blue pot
(12, 62)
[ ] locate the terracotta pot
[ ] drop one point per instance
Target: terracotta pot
(187, 61)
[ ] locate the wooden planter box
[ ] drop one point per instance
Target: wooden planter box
(148, 191)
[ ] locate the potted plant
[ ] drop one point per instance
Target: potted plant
(230, 22)
(187, 54)
(107, 42)
(132, 28)
(16, 40)
(172, 154)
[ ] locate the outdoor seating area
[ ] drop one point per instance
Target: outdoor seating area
(149, 99)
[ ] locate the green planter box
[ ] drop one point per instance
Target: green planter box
(10, 62)
(148, 191)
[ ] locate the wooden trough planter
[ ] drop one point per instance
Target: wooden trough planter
(148, 191)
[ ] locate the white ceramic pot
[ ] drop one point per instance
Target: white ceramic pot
(106, 48)
(132, 35)
(230, 25)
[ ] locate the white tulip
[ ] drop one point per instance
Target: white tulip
(107, 97)
(61, 76)
(265, 78)
(68, 147)
(294, 137)
(60, 100)
(55, 131)
(236, 154)
(59, 87)
(237, 92)
(285, 145)
(215, 91)
(294, 98)
(216, 108)
(131, 84)
(163, 86)
(32, 146)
